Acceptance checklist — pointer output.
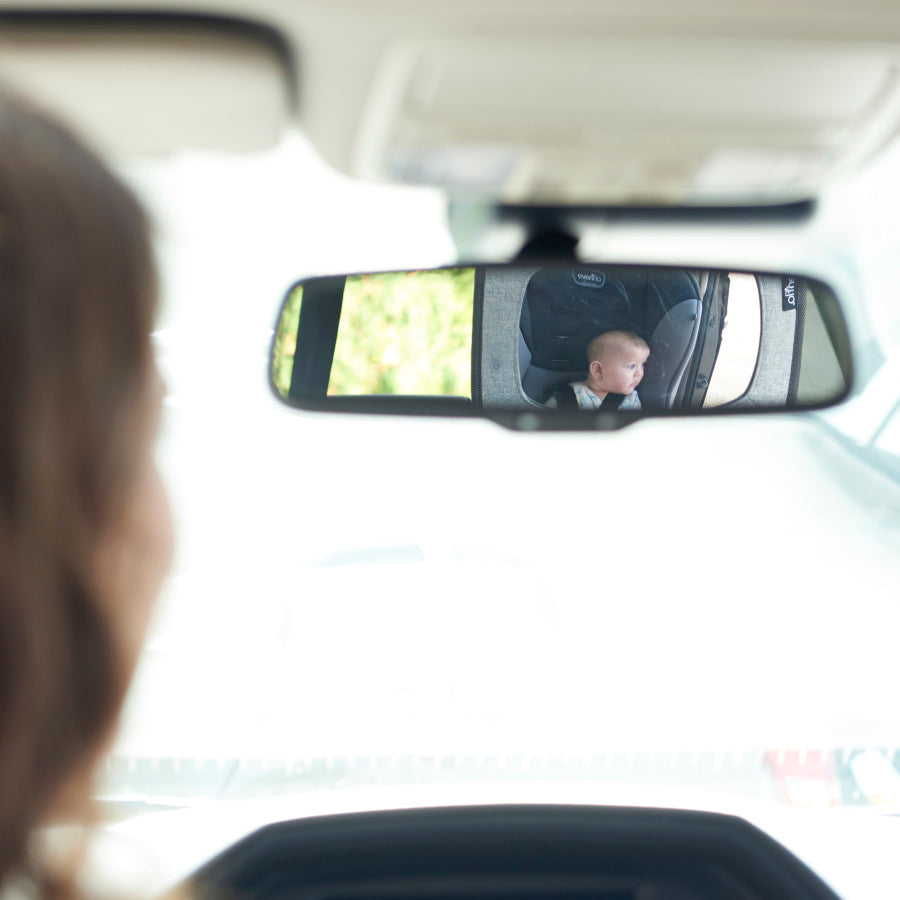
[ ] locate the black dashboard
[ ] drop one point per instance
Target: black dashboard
(511, 852)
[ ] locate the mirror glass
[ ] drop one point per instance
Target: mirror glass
(399, 333)
(561, 339)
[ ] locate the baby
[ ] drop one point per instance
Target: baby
(615, 366)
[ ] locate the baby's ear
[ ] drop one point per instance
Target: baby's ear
(595, 368)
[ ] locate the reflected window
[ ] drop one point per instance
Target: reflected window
(405, 333)
(821, 374)
(397, 333)
(739, 349)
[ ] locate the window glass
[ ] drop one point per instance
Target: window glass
(739, 350)
(405, 333)
(286, 341)
(820, 369)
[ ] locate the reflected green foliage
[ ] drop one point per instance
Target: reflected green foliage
(285, 343)
(406, 333)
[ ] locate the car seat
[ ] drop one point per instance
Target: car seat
(564, 307)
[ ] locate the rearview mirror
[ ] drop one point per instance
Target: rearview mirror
(562, 345)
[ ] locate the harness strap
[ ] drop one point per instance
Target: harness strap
(565, 398)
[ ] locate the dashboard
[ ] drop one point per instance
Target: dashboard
(511, 852)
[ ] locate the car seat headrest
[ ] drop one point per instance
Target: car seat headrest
(565, 307)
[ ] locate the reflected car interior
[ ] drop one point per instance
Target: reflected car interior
(492, 339)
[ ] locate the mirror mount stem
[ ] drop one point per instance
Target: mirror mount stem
(492, 232)
(549, 245)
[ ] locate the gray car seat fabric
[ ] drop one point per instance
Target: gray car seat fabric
(782, 311)
(564, 307)
(502, 290)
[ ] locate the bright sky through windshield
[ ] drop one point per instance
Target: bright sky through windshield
(477, 600)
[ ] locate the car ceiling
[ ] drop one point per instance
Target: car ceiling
(603, 102)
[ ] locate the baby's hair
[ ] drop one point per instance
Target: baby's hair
(603, 342)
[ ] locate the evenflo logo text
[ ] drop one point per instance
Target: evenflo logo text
(589, 278)
(788, 293)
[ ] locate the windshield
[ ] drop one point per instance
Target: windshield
(708, 606)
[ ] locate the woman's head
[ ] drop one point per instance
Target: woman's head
(83, 528)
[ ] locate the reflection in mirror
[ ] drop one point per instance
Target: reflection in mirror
(733, 372)
(565, 336)
(398, 333)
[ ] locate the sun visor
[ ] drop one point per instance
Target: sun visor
(148, 85)
(627, 119)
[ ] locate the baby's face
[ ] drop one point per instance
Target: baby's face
(622, 368)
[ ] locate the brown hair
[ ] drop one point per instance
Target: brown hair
(77, 296)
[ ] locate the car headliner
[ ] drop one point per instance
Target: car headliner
(692, 102)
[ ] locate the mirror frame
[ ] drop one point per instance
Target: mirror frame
(539, 418)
